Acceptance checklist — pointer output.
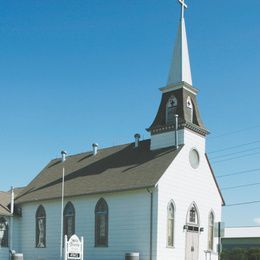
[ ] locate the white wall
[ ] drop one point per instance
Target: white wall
(17, 234)
(4, 253)
(242, 232)
(129, 214)
(184, 185)
(129, 226)
(166, 139)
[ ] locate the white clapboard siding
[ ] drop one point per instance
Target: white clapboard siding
(183, 185)
(16, 234)
(129, 214)
(4, 253)
(166, 139)
(129, 226)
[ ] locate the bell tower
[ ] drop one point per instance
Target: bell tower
(178, 98)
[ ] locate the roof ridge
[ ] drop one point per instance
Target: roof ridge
(100, 149)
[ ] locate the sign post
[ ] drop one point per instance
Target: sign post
(219, 233)
(73, 248)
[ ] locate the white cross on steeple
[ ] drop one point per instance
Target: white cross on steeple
(183, 5)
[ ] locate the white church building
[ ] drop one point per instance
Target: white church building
(158, 197)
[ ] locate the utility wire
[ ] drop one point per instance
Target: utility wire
(242, 203)
(238, 173)
(237, 157)
(235, 132)
(241, 186)
(238, 152)
(233, 147)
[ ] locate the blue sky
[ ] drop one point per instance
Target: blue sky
(76, 72)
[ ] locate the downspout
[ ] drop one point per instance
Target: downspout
(151, 223)
(176, 131)
(11, 219)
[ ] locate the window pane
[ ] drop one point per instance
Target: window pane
(3, 232)
(171, 109)
(41, 232)
(210, 232)
(70, 229)
(101, 229)
(40, 227)
(170, 232)
(170, 225)
(193, 215)
(69, 220)
(210, 244)
(101, 218)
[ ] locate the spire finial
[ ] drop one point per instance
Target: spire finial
(183, 6)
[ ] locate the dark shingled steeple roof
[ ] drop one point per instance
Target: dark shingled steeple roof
(117, 168)
(181, 92)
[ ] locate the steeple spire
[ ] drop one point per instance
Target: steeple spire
(178, 98)
(180, 67)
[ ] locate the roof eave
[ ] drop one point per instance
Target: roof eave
(213, 175)
(89, 194)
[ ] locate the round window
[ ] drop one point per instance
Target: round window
(194, 158)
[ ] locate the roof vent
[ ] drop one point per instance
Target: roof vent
(137, 139)
(63, 155)
(95, 148)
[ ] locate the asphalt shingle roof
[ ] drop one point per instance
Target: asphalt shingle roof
(5, 198)
(113, 169)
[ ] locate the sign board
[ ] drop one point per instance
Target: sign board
(73, 248)
(219, 229)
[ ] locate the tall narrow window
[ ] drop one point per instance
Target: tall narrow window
(190, 109)
(3, 232)
(170, 225)
(171, 110)
(193, 215)
(101, 223)
(69, 220)
(40, 222)
(210, 231)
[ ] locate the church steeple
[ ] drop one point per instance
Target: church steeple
(180, 67)
(178, 98)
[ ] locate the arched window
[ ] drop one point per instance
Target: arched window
(210, 231)
(40, 222)
(171, 110)
(3, 232)
(101, 223)
(193, 218)
(69, 220)
(170, 225)
(190, 109)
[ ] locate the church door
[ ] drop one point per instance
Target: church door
(192, 234)
(192, 244)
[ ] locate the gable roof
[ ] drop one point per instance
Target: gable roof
(215, 180)
(5, 198)
(117, 168)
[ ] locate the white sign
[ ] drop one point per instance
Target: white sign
(73, 248)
